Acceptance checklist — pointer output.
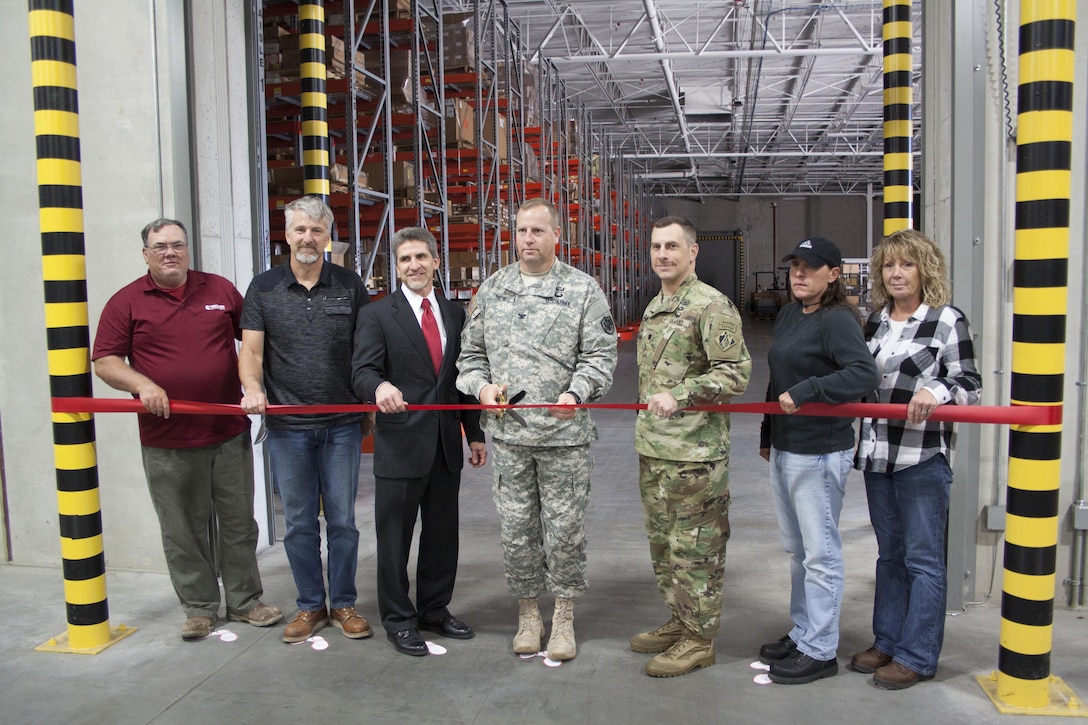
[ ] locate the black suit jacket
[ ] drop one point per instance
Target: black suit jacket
(389, 346)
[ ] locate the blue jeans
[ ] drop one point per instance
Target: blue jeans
(909, 511)
(808, 491)
(317, 470)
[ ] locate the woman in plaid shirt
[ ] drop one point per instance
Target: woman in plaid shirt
(923, 349)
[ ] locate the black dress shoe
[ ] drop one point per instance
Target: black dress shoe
(799, 668)
(408, 642)
(449, 626)
(775, 651)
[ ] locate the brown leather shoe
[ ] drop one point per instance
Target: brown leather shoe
(261, 615)
(869, 661)
(894, 676)
(351, 623)
(196, 628)
(303, 626)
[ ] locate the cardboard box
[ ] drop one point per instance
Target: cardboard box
(495, 133)
(460, 123)
(401, 81)
(290, 180)
(403, 175)
(532, 164)
(339, 174)
(458, 41)
(284, 52)
(334, 54)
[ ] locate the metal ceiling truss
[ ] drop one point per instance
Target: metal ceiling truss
(733, 97)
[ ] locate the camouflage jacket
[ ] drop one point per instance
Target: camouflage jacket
(690, 345)
(554, 336)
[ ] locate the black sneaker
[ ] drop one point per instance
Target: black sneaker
(799, 668)
(775, 651)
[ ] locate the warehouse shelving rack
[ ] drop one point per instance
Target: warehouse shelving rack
(548, 146)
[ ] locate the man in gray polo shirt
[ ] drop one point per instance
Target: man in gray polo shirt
(298, 326)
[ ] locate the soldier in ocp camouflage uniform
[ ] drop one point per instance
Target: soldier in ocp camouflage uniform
(690, 352)
(542, 327)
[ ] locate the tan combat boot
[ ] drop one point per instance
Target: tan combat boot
(690, 653)
(659, 639)
(561, 645)
(530, 634)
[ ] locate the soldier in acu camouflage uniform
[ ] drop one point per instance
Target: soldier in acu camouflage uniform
(690, 352)
(542, 327)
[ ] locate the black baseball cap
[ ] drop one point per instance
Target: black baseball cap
(816, 251)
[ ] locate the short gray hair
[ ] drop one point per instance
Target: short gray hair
(159, 224)
(415, 234)
(311, 206)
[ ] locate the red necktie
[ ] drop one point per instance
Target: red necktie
(432, 336)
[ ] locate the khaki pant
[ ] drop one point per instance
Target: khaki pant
(187, 485)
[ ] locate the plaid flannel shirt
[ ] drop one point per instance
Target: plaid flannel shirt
(934, 352)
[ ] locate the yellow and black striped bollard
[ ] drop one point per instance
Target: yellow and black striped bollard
(898, 126)
(315, 103)
(1023, 682)
(60, 195)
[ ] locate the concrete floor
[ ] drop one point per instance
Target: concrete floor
(154, 677)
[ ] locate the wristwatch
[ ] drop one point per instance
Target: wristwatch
(576, 396)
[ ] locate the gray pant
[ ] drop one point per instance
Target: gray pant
(541, 494)
(187, 485)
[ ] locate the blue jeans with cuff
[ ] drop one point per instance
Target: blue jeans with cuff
(909, 511)
(317, 471)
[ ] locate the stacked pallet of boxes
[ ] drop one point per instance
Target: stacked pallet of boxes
(282, 54)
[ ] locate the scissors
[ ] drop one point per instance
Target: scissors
(513, 400)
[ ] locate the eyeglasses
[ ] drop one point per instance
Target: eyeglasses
(161, 248)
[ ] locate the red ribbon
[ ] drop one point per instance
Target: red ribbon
(996, 414)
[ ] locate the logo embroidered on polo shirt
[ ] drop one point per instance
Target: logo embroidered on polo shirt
(215, 307)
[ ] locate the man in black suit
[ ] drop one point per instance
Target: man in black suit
(406, 348)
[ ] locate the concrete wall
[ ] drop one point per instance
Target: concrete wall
(134, 127)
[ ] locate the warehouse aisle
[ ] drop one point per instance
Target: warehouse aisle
(154, 677)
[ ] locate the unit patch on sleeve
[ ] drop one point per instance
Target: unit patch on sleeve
(725, 345)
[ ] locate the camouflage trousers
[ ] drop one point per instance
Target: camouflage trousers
(687, 522)
(541, 494)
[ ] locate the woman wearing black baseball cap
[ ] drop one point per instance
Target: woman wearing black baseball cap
(818, 356)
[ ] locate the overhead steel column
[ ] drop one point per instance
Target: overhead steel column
(64, 272)
(898, 128)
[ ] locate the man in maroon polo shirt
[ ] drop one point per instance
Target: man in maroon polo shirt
(177, 328)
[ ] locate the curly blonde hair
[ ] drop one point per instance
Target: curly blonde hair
(909, 244)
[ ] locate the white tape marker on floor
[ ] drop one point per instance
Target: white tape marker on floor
(548, 661)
